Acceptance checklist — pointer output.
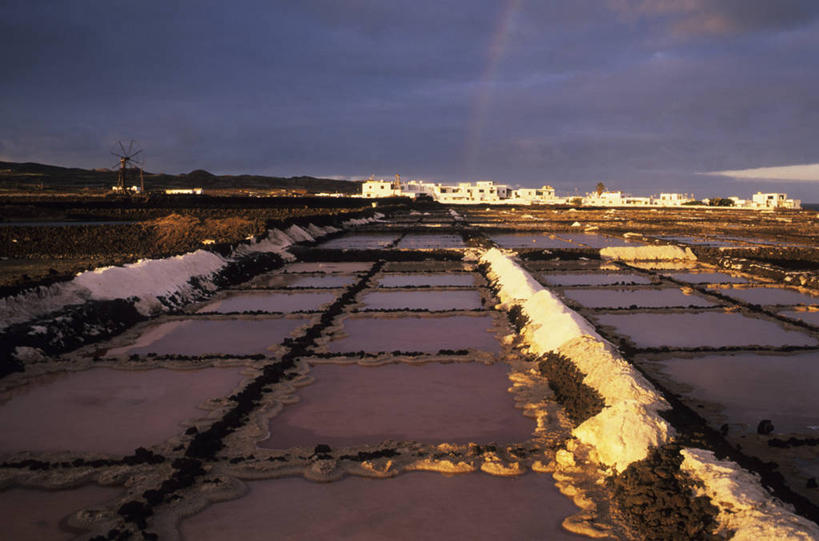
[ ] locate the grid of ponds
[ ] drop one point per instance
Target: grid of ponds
(415, 359)
(414, 364)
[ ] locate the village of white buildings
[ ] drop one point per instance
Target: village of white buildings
(487, 191)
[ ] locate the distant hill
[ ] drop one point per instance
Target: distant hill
(52, 178)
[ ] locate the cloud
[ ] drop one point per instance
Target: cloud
(721, 17)
(788, 173)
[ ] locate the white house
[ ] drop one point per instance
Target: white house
(603, 199)
(544, 194)
(379, 188)
(184, 191)
(775, 200)
(671, 199)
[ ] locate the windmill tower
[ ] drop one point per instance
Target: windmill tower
(129, 158)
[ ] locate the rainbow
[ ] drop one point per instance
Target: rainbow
(480, 106)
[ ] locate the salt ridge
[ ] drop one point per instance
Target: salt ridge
(630, 424)
(151, 280)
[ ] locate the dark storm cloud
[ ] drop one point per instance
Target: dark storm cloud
(642, 94)
(722, 16)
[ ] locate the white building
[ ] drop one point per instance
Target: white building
(603, 199)
(774, 201)
(544, 194)
(379, 188)
(184, 191)
(671, 199)
(632, 201)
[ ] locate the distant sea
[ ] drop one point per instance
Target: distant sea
(810, 206)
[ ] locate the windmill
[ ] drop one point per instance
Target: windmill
(129, 158)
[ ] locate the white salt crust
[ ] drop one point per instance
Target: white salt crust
(629, 424)
(151, 279)
(745, 508)
(648, 253)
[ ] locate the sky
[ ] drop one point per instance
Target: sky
(642, 95)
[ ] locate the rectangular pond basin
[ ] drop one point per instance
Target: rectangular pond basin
(751, 387)
(285, 280)
(40, 514)
(638, 298)
(271, 301)
(701, 241)
(411, 506)
(331, 267)
(213, 336)
(593, 279)
(702, 329)
(530, 240)
(426, 265)
(360, 241)
(467, 299)
(811, 318)
(598, 241)
(430, 242)
(707, 278)
(429, 279)
(352, 405)
(103, 410)
(426, 334)
(769, 295)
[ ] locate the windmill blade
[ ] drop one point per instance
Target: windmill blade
(124, 152)
(130, 146)
(135, 154)
(115, 154)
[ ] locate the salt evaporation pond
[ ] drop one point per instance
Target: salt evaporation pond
(352, 405)
(430, 241)
(811, 318)
(707, 278)
(598, 241)
(424, 334)
(702, 329)
(642, 298)
(529, 240)
(281, 280)
(202, 336)
(593, 279)
(751, 387)
(103, 410)
(39, 514)
(364, 241)
(430, 279)
(328, 267)
(697, 241)
(769, 295)
(411, 506)
(268, 301)
(468, 299)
